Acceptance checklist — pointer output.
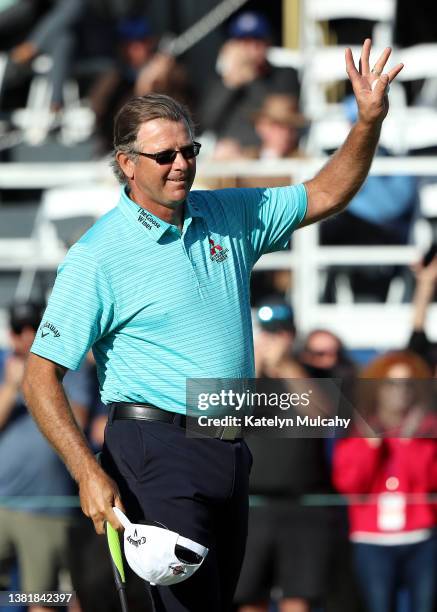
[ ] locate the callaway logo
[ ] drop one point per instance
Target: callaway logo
(48, 328)
(137, 542)
(217, 252)
(177, 569)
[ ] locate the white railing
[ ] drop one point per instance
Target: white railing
(360, 325)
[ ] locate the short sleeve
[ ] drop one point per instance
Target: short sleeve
(268, 216)
(80, 311)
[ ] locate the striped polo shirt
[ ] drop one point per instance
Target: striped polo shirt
(159, 306)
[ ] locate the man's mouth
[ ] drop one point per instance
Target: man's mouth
(177, 180)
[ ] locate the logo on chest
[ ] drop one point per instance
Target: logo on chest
(217, 252)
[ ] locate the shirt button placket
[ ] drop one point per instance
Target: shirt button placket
(192, 264)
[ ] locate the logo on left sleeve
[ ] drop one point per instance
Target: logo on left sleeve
(49, 328)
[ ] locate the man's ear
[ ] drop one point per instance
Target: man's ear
(126, 164)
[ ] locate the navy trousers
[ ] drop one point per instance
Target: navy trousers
(196, 487)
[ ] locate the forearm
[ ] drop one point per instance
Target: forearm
(46, 400)
(340, 179)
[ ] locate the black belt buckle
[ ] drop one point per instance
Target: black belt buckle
(228, 432)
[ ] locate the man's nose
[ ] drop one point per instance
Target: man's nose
(180, 163)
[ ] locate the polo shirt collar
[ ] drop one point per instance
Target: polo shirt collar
(192, 208)
(149, 223)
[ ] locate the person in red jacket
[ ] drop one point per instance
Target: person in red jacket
(389, 480)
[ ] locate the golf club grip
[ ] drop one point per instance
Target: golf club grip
(117, 563)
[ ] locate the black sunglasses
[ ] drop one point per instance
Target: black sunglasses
(168, 157)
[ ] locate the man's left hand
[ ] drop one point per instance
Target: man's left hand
(372, 101)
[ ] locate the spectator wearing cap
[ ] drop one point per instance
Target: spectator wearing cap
(278, 125)
(275, 339)
(33, 531)
(140, 69)
(289, 545)
(245, 78)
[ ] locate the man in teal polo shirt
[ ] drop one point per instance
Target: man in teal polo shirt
(159, 288)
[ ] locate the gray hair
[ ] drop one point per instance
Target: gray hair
(133, 114)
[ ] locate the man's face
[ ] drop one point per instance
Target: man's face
(169, 184)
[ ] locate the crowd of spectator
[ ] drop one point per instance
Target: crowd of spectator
(245, 108)
(385, 467)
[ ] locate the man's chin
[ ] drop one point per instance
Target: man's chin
(175, 202)
(178, 195)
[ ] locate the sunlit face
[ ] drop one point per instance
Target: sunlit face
(396, 393)
(166, 185)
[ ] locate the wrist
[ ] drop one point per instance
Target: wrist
(371, 126)
(88, 469)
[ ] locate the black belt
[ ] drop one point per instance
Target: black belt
(144, 412)
(149, 412)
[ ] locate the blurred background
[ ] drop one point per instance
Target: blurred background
(353, 296)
